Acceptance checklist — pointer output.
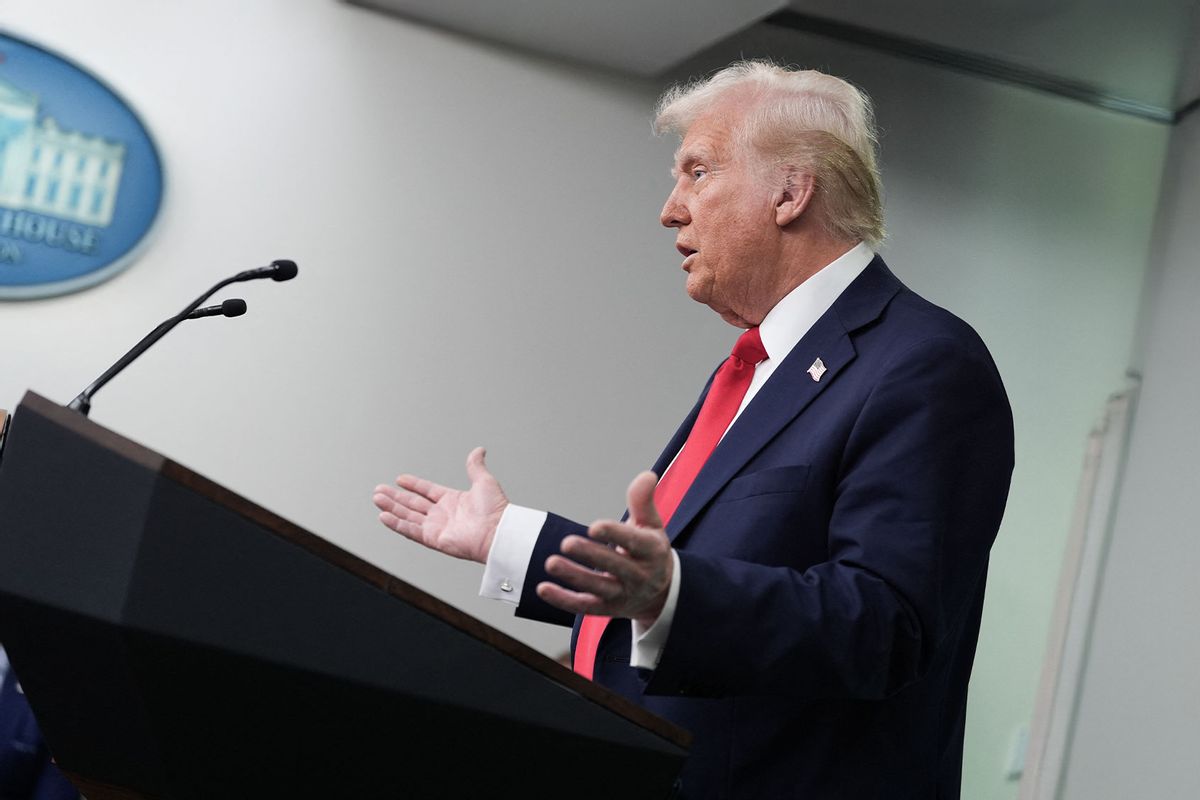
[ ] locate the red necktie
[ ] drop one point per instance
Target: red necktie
(720, 406)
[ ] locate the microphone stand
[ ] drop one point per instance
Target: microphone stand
(279, 270)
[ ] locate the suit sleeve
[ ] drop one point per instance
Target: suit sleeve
(918, 496)
(549, 542)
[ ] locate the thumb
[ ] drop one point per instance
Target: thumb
(476, 468)
(640, 497)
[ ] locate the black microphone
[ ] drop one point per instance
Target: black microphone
(230, 308)
(281, 270)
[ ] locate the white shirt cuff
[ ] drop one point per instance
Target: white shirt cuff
(648, 643)
(512, 547)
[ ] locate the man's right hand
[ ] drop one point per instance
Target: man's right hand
(460, 524)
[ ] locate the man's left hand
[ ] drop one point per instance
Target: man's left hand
(622, 569)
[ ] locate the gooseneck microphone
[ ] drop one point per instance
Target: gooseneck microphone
(281, 270)
(230, 308)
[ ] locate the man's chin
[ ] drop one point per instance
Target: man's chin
(725, 313)
(735, 320)
(701, 291)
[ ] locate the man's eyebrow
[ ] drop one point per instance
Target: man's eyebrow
(684, 159)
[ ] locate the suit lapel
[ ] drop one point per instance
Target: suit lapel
(788, 391)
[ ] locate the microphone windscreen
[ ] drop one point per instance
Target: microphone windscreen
(285, 270)
(233, 308)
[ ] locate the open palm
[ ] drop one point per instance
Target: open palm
(458, 523)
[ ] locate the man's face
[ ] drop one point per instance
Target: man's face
(723, 210)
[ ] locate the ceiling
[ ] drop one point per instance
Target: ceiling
(1141, 57)
(643, 37)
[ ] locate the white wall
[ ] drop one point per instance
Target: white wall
(1137, 730)
(481, 263)
(466, 219)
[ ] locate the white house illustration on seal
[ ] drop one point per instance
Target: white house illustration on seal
(52, 171)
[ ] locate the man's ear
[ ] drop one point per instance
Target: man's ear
(797, 193)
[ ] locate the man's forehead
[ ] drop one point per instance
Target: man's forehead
(710, 136)
(705, 140)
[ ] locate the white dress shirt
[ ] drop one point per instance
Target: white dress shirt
(783, 326)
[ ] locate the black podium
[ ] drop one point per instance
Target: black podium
(177, 641)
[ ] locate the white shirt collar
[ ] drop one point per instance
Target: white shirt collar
(799, 310)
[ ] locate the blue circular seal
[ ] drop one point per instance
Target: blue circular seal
(81, 181)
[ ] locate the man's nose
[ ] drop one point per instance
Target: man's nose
(674, 213)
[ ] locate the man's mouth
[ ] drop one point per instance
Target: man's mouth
(687, 254)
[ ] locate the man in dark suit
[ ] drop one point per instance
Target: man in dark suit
(26, 769)
(811, 606)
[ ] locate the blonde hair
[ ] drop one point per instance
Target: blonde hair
(802, 119)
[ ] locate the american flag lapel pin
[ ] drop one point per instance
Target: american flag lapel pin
(817, 369)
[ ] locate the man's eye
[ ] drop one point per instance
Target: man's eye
(698, 173)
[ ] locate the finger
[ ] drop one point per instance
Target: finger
(409, 515)
(428, 489)
(596, 556)
(397, 509)
(582, 579)
(387, 496)
(388, 491)
(567, 600)
(395, 502)
(415, 502)
(640, 498)
(409, 530)
(384, 501)
(476, 467)
(638, 543)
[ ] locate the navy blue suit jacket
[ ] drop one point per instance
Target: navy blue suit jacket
(834, 551)
(26, 772)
